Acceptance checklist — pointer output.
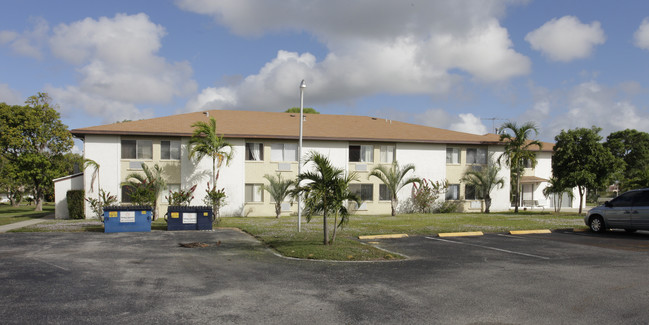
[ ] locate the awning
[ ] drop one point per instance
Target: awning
(532, 179)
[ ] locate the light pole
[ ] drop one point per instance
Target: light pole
(299, 158)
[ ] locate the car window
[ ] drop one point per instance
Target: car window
(642, 200)
(625, 200)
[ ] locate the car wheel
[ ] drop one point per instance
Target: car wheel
(597, 224)
(630, 230)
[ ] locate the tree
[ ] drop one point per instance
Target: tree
(305, 110)
(325, 190)
(484, 181)
(146, 188)
(89, 163)
(518, 148)
(32, 138)
(394, 178)
(632, 148)
(10, 182)
(556, 188)
(278, 188)
(581, 160)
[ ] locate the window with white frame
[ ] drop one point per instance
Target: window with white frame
(364, 191)
(452, 155)
(170, 150)
(471, 193)
(453, 192)
(255, 151)
(283, 152)
(387, 154)
(476, 156)
(254, 193)
(361, 153)
(137, 149)
(527, 163)
(384, 193)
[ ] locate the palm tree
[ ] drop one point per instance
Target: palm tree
(484, 181)
(148, 186)
(206, 142)
(95, 174)
(394, 179)
(325, 191)
(517, 149)
(278, 188)
(557, 189)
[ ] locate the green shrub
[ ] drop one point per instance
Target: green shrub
(75, 204)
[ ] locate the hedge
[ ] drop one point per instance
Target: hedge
(76, 204)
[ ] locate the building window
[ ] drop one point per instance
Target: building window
(364, 191)
(387, 154)
(137, 149)
(283, 152)
(452, 155)
(126, 193)
(527, 163)
(361, 153)
(170, 150)
(471, 193)
(254, 193)
(255, 151)
(384, 193)
(453, 192)
(476, 156)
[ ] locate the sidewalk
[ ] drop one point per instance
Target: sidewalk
(25, 223)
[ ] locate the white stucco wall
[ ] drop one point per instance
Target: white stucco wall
(61, 187)
(500, 196)
(105, 150)
(429, 161)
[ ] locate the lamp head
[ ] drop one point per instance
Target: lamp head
(302, 84)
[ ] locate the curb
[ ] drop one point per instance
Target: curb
(528, 232)
(389, 236)
(460, 234)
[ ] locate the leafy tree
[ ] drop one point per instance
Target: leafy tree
(581, 160)
(147, 186)
(32, 138)
(632, 148)
(278, 188)
(484, 181)
(557, 189)
(305, 110)
(325, 190)
(425, 194)
(394, 178)
(10, 182)
(518, 148)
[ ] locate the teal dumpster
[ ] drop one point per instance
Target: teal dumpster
(189, 218)
(127, 218)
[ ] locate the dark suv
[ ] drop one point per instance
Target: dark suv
(629, 211)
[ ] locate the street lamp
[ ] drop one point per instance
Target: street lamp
(299, 159)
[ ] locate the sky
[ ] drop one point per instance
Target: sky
(462, 65)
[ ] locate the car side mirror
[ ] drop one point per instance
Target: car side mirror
(608, 204)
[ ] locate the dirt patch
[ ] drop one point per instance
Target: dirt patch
(197, 244)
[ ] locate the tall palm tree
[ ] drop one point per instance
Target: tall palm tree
(278, 188)
(484, 181)
(325, 190)
(205, 141)
(394, 178)
(557, 189)
(518, 148)
(95, 174)
(149, 185)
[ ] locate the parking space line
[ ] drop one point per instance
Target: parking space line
(489, 247)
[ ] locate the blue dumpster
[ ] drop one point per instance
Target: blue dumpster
(189, 218)
(127, 218)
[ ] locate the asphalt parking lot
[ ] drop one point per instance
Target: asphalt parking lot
(563, 277)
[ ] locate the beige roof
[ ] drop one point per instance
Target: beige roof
(532, 179)
(269, 125)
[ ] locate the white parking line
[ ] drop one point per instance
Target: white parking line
(489, 247)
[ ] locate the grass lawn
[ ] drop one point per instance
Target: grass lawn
(9, 214)
(281, 234)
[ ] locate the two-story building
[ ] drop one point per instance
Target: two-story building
(266, 143)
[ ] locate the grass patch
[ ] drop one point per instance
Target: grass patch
(9, 214)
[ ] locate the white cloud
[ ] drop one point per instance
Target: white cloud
(463, 122)
(566, 39)
(641, 36)
(469, 123)
(28, 43)
(118, 66)
(416, 47)
(10, 96)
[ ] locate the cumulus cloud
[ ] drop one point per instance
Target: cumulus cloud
(118, 66)
(391, 47)
(641, 36)
(566, 39)
(464, 122)
(10, 96)
(28, 43)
